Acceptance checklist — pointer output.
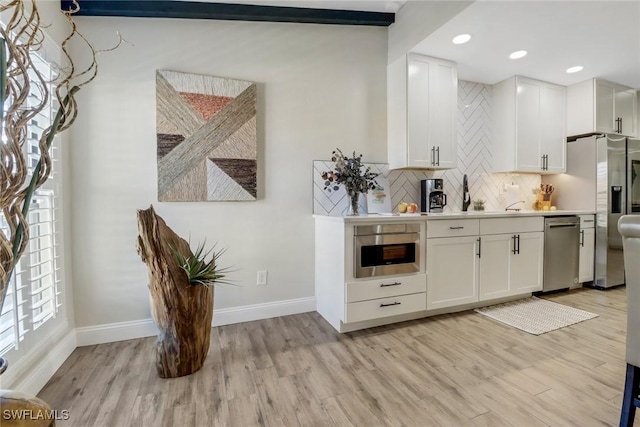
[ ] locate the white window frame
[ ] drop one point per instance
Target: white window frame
(35, 295)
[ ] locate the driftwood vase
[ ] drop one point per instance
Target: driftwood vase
(182, 312)
(22, 410)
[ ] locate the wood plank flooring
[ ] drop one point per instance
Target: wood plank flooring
(450, 370)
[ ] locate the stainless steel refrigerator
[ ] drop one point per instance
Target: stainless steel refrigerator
(603, 174)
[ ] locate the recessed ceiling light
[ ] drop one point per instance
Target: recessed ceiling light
(518, 54)
(574, 69)
(461, 39)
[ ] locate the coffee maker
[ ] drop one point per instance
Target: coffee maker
(432, 197)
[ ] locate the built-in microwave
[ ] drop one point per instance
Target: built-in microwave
(386, 249)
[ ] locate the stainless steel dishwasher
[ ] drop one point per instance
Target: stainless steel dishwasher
(561, 252)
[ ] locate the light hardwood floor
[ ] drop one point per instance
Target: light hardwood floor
(449, 370)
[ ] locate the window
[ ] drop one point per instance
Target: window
(33, 296)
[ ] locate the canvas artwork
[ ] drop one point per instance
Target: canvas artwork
(206, 136)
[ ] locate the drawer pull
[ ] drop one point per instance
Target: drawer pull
(390, 304)
(384, 285)
(587, 220)
(459, 227)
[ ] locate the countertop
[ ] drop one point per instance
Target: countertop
(449, 215)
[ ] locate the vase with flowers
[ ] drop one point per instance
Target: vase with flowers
(353, 175)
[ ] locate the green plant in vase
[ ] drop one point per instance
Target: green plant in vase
(200, 271)
(478, 205)
(352, 174)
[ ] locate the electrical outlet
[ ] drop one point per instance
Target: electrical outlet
(262, 278)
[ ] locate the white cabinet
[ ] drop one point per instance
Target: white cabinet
(422, 97)
(467, 260)
(529, 118)
(587, 248)
(526, 263)
(510, 264)
(601, 106)
(494, 274)
(344, 300)
(470, 260)
(452, 271)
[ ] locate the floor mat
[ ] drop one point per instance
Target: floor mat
(534, 315)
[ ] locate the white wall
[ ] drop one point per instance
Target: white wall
(319, 87)
(416, 20)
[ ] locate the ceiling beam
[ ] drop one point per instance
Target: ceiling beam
(227, 12)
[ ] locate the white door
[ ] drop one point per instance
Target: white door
(452, 271)
(553, 139)
(528, 126)
(526, 263)
(626, 110)
(587, 246)
(495, 251)
(419, 152)
(444, 113)
(605, 107)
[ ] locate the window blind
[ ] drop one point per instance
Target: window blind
(33, 295)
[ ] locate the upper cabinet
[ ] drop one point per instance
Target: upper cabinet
(422, 105)
(601, 106)
(529, 118)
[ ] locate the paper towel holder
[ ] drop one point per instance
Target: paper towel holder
(509, 208)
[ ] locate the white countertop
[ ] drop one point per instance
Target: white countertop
(450, 215)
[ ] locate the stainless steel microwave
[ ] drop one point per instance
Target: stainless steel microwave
(386, 249)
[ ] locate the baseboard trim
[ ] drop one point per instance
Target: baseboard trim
(111, 332)
(43, 369)
(248, 313)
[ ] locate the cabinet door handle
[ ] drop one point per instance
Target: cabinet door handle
(518, 242)
(433, 156)
(479, 247)
(457, 227)
(542, 161)
(513, 240)
(390, 304)
(582, 238)
(384, 285)
(438, 155)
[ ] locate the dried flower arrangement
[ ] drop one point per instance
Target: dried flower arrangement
(352, 174)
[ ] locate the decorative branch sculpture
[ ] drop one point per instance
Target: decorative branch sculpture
(21, 37)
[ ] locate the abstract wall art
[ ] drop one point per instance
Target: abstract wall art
(206, 136)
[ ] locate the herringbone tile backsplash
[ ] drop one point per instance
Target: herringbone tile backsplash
(475, 151)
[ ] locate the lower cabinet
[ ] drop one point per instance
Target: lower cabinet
(587, 253)
(494, 273)
(510, 264)
(483, 266)
(384, 307)
(384, 297)
(452, 271)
